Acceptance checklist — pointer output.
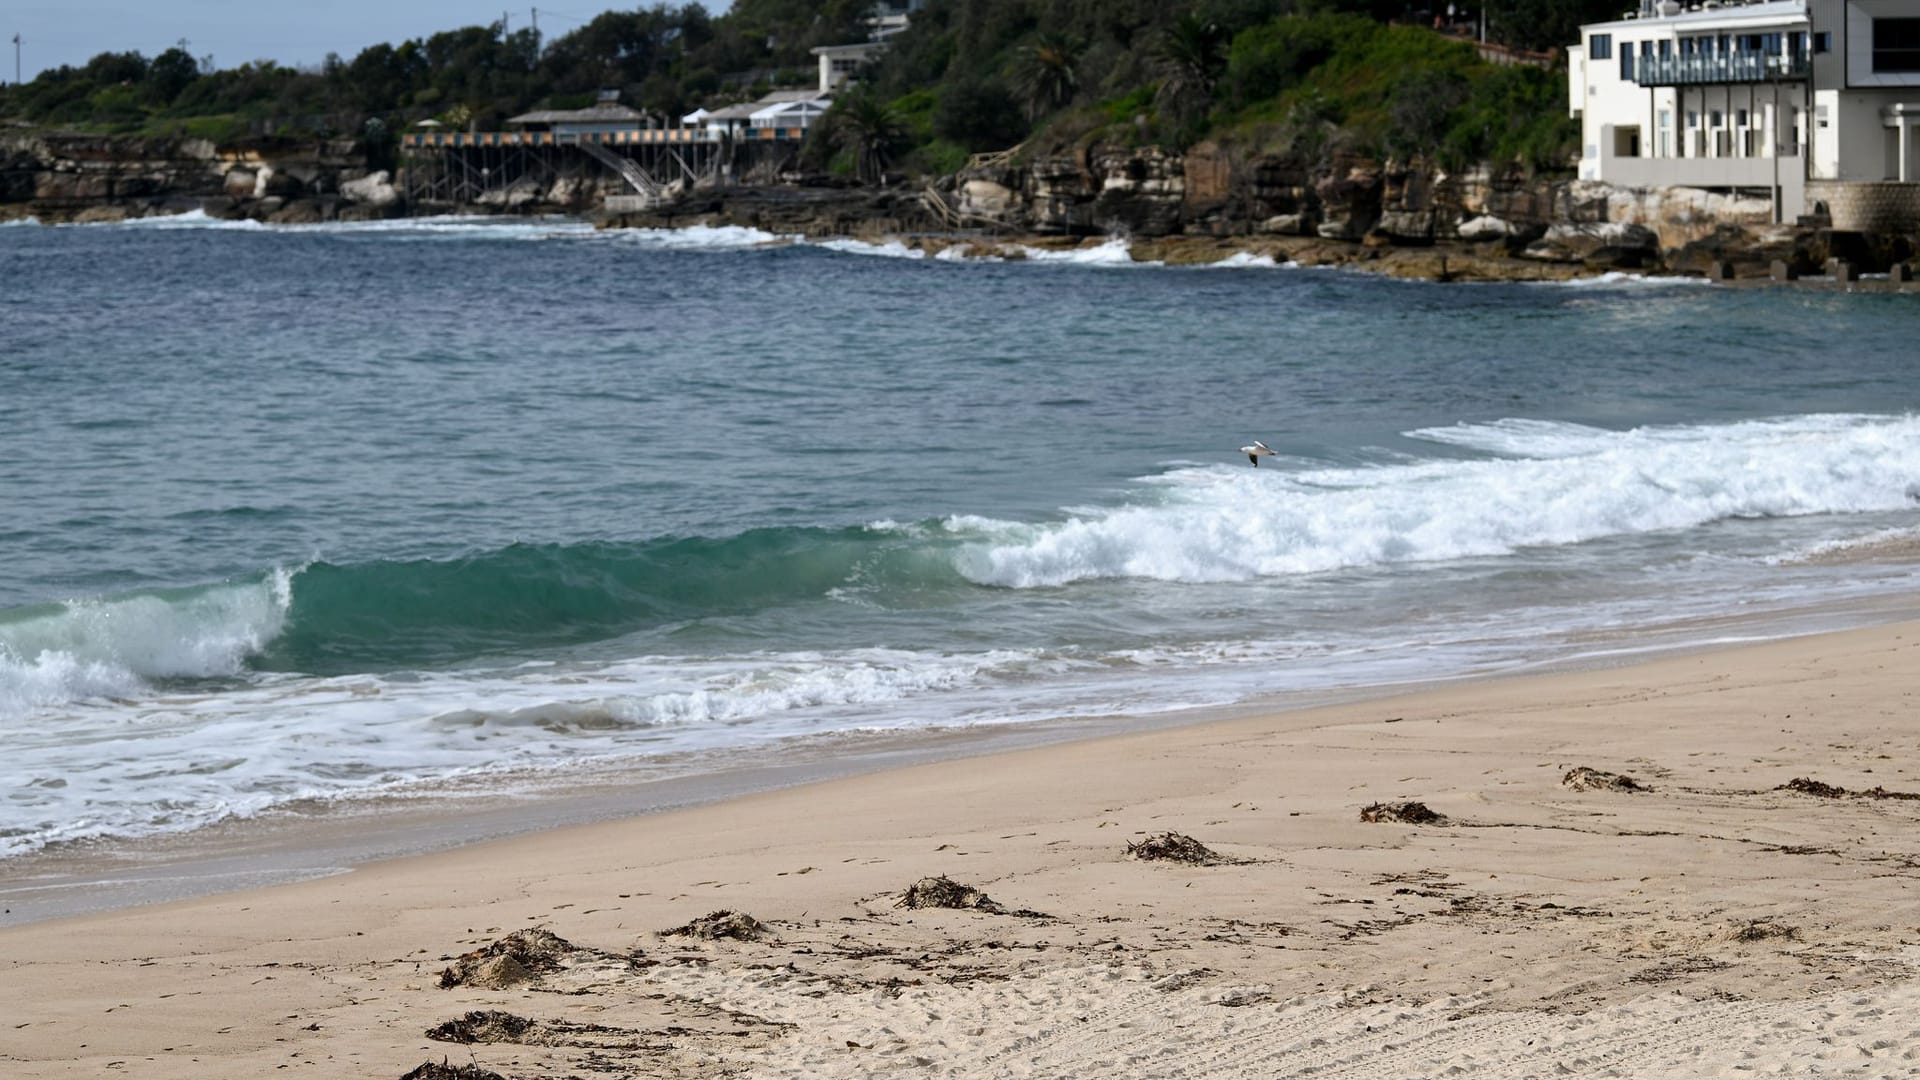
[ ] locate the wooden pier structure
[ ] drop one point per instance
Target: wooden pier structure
(464, 166)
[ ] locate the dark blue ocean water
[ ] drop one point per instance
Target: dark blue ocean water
(317, 513)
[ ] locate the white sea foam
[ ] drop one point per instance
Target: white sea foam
(1115, 251)
(90, 649)
(169, 762)
(1900, 542)
(1620, 279)
(891, 249)
(192, 219)
(1559, 485)
(699, 238)
(1246, 260)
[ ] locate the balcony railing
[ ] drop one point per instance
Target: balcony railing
(1736, 67)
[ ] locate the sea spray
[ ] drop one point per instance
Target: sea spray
(112, 647)
(1554, 484)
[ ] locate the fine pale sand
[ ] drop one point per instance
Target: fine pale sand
(1714, 923)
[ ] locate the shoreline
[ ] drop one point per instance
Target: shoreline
(290, 845)
(1440, 261)
(1607, 919)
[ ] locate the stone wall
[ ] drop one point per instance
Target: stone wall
(1868, 206)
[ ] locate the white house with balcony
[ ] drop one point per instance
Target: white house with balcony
(1806, 100)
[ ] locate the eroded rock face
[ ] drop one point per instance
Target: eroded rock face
(1214, 190)
(68, 177)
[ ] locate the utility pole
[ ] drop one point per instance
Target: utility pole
(16, 59)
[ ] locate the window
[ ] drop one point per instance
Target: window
(1626, 63)
(1741, 118)
(1666, 49)
(1600, 47)
(1822, 42)
(1896, 44)
(1693, 118)
(1719, 118)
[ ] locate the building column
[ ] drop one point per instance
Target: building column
(1906, 149)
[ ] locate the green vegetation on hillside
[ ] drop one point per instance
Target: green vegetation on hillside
(1307, 77)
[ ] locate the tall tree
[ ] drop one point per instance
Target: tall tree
(868, 128)
(1191, 56)
(1046, 72)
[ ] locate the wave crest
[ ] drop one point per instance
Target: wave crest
(1553, 484)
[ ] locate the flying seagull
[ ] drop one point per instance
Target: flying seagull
(1257, 451)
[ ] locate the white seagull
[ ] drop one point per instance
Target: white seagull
(1257, 451)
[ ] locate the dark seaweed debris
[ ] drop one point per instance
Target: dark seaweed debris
(1809, 786)
(1806, 785)
(944, 892)
(519, 957)
(1581, 778)
(483, 1026)
(1175, 847)
(718, 925)
(1402, 813)
(440, 1070)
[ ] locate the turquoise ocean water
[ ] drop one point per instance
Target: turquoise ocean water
(315, 516)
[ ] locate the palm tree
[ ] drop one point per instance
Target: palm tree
(1192, 55)
(1044, 72)
(868, 128)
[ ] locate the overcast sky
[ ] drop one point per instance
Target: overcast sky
(55, 32)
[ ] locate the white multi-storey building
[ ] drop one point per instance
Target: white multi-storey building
(1808, 100)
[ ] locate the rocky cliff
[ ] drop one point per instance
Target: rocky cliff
(64, 177)
(1218, 191)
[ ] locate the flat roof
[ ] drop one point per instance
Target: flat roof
(599, 114)
(1731, 16)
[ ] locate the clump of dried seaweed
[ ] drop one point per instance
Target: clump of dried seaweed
(519, 957)
(1760, 930)
(1581, 778)
(719, 925)
(1175, 847)
(1402, 813)
(944, 892)
(440, 1070)
(1806, 785)
(483, 1026)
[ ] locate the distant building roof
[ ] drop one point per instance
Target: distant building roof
(861, 50)
(790, 108)
(599, 114)
(812, 93)
(733, 112)
(746, 110)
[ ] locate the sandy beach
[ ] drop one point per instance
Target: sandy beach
(1746, 905)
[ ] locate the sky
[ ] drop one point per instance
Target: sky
(55, 32)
